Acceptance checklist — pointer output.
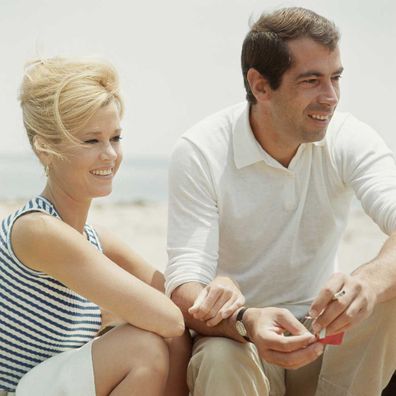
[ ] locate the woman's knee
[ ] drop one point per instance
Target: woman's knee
(127, 349)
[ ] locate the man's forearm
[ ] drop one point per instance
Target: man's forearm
(184, 297)
(380, 273)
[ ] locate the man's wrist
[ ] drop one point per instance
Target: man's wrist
(240, 326)
(244, 316)
(249, 320)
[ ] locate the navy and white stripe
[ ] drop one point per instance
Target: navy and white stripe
(39, 316)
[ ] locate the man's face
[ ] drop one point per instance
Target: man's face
(301, 108)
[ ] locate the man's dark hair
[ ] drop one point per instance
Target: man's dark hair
(265, 46)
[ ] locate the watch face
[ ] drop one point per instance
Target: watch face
(241, 328)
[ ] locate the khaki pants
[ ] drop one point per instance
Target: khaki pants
(361, 366)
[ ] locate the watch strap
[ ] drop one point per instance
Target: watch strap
(239, 318)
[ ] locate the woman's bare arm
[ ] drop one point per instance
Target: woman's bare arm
(46, 244)
(122, 254)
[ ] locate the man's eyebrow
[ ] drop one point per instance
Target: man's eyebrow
(339, 71)
(309, 73)
(314, 73)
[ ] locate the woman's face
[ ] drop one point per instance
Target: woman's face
(88, 170)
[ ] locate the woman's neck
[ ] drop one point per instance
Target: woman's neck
(72, 211)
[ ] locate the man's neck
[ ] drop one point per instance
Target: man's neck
(269, 139)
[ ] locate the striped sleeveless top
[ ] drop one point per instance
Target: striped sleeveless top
(39, 316)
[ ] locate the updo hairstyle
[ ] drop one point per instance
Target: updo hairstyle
(59, 96)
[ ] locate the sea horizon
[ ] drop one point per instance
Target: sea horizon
(140, 179)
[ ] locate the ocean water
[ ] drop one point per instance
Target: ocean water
(139, 179)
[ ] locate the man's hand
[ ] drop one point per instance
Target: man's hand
(217, 301)
(339, 314)
(266, 326)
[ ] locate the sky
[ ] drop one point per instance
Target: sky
(179, 60)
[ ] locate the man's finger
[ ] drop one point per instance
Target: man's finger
(231, 306)
(326, 295)
(214, 310)
(198, 301)
(282, 343)
(296, 359)
(226, 310)
(353, 314)
(206, 304)
(333, 311)
(291, 324)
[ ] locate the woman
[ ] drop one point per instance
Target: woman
(56, 271)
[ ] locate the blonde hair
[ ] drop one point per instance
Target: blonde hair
(59, 96)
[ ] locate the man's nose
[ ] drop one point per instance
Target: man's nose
(329, 95)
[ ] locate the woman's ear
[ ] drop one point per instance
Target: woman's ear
(258, 85)
(42, 150)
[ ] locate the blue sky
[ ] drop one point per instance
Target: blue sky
(179, 60)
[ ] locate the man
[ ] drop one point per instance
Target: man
(260, 193)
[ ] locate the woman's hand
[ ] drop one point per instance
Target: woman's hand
(217, 301)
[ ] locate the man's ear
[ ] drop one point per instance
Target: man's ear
(259, 85)
(42, 150)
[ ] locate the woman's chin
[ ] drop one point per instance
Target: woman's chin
(102, 193)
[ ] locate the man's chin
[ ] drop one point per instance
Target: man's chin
(314, 136)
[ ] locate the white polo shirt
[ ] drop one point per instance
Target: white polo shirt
(236, 211)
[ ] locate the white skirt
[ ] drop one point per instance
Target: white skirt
(69, 373)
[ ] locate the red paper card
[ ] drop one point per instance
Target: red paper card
(335, 339)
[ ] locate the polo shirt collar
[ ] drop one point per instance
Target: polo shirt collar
(247, 150)
(321, 142)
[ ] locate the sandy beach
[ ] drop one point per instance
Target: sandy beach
(143, 227)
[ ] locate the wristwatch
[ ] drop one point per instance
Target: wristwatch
(240, 327)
